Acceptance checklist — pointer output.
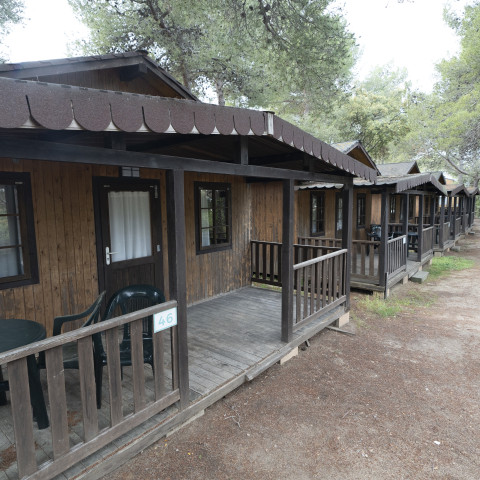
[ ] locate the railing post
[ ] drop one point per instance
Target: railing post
(177, 272)
(420, 228)
(287, 261)
(382, 263)
(347, 234)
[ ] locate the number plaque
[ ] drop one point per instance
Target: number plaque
(164, 320)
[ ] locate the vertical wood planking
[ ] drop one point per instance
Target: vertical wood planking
(138, 372)
(58, 401)
(87, 388)
(114, 376)
(22, 417)
(158, 364)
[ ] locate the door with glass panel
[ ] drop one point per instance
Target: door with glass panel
(338, 215)
(128, 226)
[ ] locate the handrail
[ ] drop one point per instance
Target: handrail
(74, 335)
(307, 263)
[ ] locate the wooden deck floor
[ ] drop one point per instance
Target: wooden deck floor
(231, 339)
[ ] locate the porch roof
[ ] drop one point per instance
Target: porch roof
(401, 183)
(458, 189)
(175, 127)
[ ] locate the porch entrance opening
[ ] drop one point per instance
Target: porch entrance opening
(128, 231)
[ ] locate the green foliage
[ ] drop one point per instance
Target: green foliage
(11, 12)
(288, 55)
(445, 126)
(376, 113)
(443, 265)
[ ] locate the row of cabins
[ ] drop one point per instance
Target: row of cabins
(113, 174)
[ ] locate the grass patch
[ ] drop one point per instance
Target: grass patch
(392, 306)
(443, 265)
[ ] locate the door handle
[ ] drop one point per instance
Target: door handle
(107, 255)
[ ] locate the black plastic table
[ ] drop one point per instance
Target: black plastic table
(14, 333)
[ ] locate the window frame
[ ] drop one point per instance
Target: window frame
(318, 232)
(217, 247)
(21, 180)
(363, 197)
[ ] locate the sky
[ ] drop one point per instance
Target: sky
(407, 33)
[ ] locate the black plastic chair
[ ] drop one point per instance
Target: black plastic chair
(70, 353)
(128, 300)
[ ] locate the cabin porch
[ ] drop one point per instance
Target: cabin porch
(232, 338)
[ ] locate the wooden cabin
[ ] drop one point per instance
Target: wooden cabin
(379, 262)
(460, 209)
(113, 174)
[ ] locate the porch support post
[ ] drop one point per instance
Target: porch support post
(454, 200)
(177, 272)
(287, 261)
(382, 257)
(405, 220)
(421, 200)
(441, 238)
(432, 209)
(449, 205)
(347, 222)
(464, 214)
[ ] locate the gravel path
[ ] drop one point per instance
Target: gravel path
(399, 400)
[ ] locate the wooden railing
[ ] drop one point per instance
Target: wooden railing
(446, 231)
(458, 225)
(427, 241)
(266, 259)
(363, 266)
(319, 286)
(329, 242)
(146, 401)
(396, 255)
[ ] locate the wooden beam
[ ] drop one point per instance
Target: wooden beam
(242, 151)
(287, 261)
(420, 229)
(347, 221)
(441, 237)
(177, 272)
(382, 255)
(41, 150)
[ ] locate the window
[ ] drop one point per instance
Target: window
(393, 209)
(361, 208)
(18, 260)
(317, 213)
(338, 215)
(213, 216)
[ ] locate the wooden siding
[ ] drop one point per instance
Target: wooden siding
(65, 233)
(212, 273)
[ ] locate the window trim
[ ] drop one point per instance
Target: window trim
(322, 196)
(27, 230)
(212, 186)
(362, 196)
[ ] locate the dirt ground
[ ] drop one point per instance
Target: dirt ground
(399, 400)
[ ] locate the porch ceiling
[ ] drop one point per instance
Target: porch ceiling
(178, 128)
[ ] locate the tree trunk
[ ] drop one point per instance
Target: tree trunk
(220, 95)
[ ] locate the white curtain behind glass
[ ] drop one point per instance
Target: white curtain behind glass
(130, 234)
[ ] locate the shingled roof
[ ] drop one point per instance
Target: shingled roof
(398, 169)
(356, 150)
(127, 65)
(43, 106)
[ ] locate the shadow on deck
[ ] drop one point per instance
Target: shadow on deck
(231, 339)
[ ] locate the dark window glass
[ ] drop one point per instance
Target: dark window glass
(213, 216)
(18, 260)
(318, 213)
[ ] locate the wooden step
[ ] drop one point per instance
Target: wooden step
(419, 277)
